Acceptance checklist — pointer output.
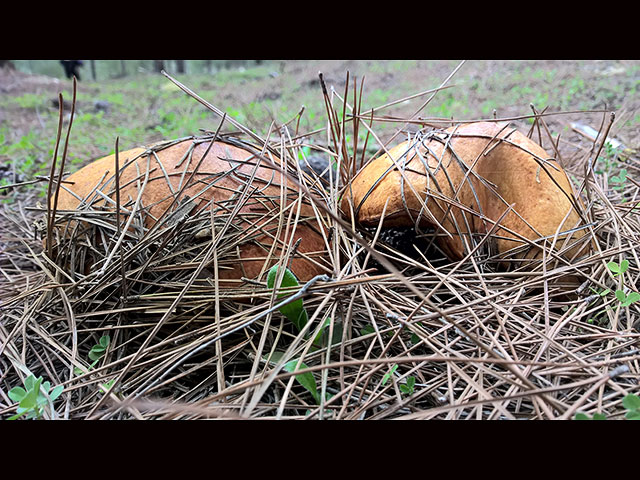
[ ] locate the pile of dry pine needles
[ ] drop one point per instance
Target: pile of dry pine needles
(403, 335)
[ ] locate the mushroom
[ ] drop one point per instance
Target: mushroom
(231, 172)
(467, 181)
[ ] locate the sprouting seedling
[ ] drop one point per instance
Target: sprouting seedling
(96, 353)
(307, 380)
(31, 399)
(618, 269)
(387, 375)
(98, 350)
(620, 179)
(408, 387)
(602, 293)
(626, 300)
(294, 310)
(632, 403)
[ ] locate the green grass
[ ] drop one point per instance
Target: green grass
(145, 108)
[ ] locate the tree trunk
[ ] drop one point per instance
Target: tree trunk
(123, 69)
(180, 66)
(93, 69)
(158, 66)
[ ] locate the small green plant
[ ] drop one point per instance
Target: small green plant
(98, 350)
(307, 380)
(33, 397)
(415, 339)
(387, 375)
(631, 402)
(367, 329)
(584, 416)
(294, 311)
(619, 179)
(626, 300)
(618, 269)
(408, 388)
(96, 353)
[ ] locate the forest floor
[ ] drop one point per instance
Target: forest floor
(569, 355)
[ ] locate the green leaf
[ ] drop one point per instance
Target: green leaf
(627, 300)
(408, 388)
(30, 400)
(633, 297)
(96, 352)
(18, 415)
(631, 402)
(624, 265)
(107, 385)
(17, 394)
(318, 340)
(293, 310)
(29, 381)
(274, 358)
(584, 416)
(367, 329)
(387, 375)
(618, 269)
(42, 400)
(55, 393)
(307, 380)
(633, 415)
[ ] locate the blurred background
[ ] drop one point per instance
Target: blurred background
(132, 100)
(95, 70)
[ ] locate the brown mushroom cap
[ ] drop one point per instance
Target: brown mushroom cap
(221, 178)
(463, 180)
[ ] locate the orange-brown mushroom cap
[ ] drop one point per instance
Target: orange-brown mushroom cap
(465, 179)
(222, 176)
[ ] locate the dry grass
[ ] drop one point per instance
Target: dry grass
(480, 342)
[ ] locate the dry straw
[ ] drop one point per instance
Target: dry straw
(413, 336)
